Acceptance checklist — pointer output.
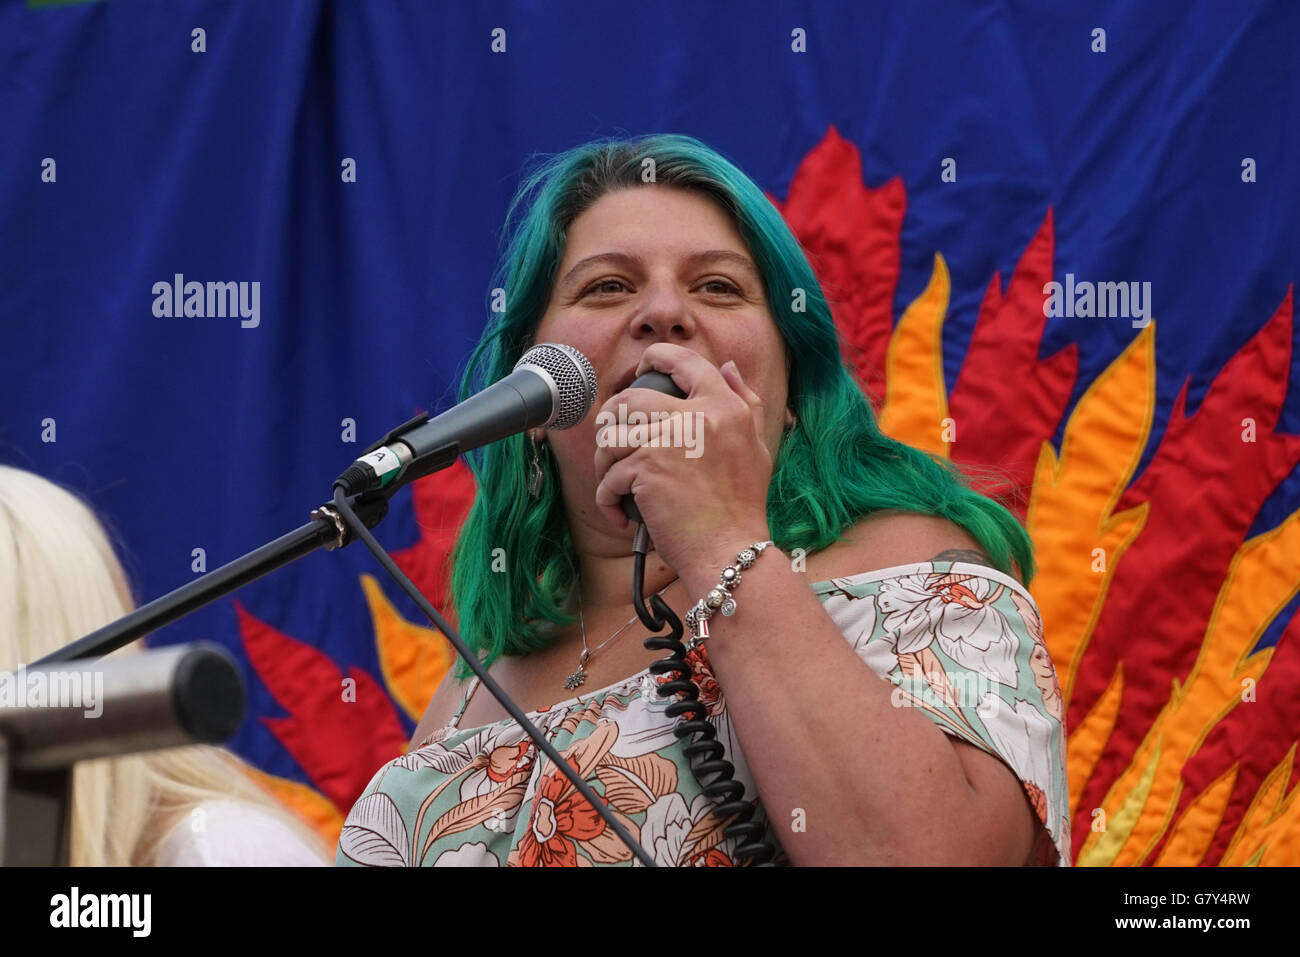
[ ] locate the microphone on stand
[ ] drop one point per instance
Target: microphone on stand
(552, 386)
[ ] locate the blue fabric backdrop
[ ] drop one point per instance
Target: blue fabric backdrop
(225, 165)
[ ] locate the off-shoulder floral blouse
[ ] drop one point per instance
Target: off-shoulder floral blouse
(962, 642)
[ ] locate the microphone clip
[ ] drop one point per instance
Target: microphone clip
(398, 432)
(362, 477)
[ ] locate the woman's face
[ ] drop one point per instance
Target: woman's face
(657, 264)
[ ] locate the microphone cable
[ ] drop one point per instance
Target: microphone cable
(758, 851)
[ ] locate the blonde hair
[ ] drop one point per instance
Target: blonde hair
(60, 579)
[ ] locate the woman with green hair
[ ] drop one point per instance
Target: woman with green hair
(861, 632)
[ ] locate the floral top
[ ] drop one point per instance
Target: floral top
(962, 642)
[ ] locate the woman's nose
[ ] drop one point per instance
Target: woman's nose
(664, 313)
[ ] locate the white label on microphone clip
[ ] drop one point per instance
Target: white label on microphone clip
(385, 463)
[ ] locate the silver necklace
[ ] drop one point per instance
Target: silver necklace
(578, 677)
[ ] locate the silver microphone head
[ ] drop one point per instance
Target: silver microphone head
(574, 378)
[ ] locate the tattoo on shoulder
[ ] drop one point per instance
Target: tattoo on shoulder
(971, 555)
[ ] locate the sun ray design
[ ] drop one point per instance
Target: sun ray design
(851, 235)
(1003, 372)
(1204, 487)
(1119, 824)
(441, 501)
(1269, 834)
(916, 353)
(1078, 539)
(1266, 726)
(1258, 586)
(413, 658)
(339, 733)
(1089, 737)
(1156, 538)
(1191, 840)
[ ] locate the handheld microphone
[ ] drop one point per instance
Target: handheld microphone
(660, 382)
(552, 386)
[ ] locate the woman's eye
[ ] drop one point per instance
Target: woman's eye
(597, 286)
(714, 286)
(727, 287)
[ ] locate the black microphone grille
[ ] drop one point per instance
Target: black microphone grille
(573, 375)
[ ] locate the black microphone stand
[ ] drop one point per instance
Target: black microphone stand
(326, 529)
(332, 526)
(183, 695)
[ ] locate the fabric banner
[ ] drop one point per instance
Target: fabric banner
(1061, 246)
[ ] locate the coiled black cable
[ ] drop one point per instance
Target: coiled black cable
(751, 848)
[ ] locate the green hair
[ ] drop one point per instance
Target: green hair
(831, 470)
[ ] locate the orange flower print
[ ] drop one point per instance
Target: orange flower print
(506, 760)
(710, 858)
(949, 589)
(702, 674)
(560, 817)
(1037, 798)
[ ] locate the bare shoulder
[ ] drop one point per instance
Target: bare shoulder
(887, 538)
(441, 707)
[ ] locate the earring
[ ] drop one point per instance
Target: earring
(535, 474)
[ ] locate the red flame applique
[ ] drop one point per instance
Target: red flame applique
(339, 743)
(441, 503)
(1204, 487)
(1002, 378)
(851, 234)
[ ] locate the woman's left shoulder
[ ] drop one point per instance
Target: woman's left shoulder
(885, 539)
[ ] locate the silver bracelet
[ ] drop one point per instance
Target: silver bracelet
(720, 598)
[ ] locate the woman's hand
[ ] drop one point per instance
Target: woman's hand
(700, 503)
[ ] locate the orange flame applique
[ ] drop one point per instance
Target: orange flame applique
(1160, 677)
